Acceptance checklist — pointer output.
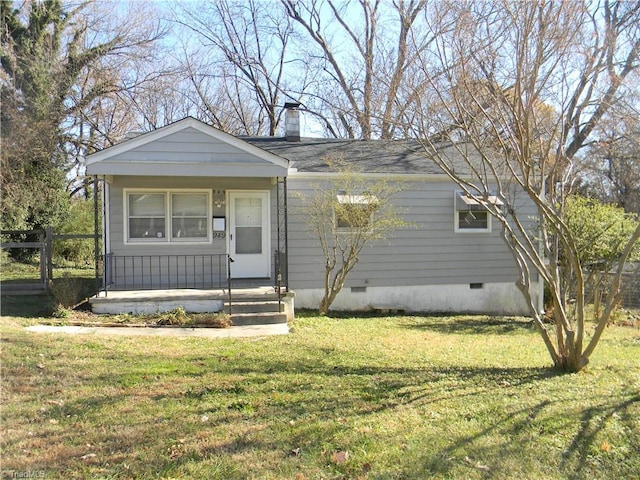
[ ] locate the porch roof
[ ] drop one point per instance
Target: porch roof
(186, 148)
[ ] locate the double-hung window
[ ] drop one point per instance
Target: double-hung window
(471, 215)
(167, 216)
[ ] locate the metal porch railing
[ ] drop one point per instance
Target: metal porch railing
(158, 272)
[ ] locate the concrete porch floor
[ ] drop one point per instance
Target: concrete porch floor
(182, 294)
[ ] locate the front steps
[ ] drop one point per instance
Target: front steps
(257, 313)
(248, 308)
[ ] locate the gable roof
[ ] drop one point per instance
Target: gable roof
(188, 147)
(397, 157)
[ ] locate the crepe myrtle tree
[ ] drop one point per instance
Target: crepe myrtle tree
(525, 86)
(346, 213)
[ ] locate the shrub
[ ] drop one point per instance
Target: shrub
(61, 312)
(68, 291)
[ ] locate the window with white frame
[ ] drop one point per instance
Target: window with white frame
(471, 215)
(167, 216)
(355, 211)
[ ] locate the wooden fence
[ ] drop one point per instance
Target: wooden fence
(44, 245)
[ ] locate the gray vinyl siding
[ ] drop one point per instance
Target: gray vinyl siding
(189, 145)
(427, 253)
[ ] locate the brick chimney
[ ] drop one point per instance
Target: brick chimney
(292, 122)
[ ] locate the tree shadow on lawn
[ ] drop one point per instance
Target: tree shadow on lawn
(594, 420)
(570, 453)
(335, 396)
(316, 389)
(315, 394)
(472, 324)
(26, 306)
(370, 389)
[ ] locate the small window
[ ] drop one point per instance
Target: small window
(470, 215)
(355, 211)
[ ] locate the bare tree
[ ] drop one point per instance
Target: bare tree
(346, 214)
(524, 86)
(366, 52)
(250, 40)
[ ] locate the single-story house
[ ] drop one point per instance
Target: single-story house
(188, 207)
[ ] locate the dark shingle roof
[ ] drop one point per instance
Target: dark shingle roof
(372, 156)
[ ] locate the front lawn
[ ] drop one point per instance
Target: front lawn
(339, 398)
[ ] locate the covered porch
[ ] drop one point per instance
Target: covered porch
(193, 218)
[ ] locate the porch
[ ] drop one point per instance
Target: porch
(257, 305)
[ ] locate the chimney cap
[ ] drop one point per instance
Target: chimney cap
(291, 105)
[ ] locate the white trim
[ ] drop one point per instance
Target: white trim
(468, 202)
(357, 199)
(167, 239)
(106, 217)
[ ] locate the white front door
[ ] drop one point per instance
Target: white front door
(249, 234)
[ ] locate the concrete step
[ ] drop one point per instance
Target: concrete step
(254, 306)
(260, 318)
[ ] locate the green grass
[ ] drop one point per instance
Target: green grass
(467, 397)
(27, 272)
(71, 284)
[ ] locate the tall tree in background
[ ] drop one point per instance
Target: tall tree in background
(611, 169)
(351, 64)
(365, 53)
(59, 64)
(245, 46)
(525, 85)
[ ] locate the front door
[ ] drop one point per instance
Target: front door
(249, 234)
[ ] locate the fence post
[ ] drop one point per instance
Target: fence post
(48, 250)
